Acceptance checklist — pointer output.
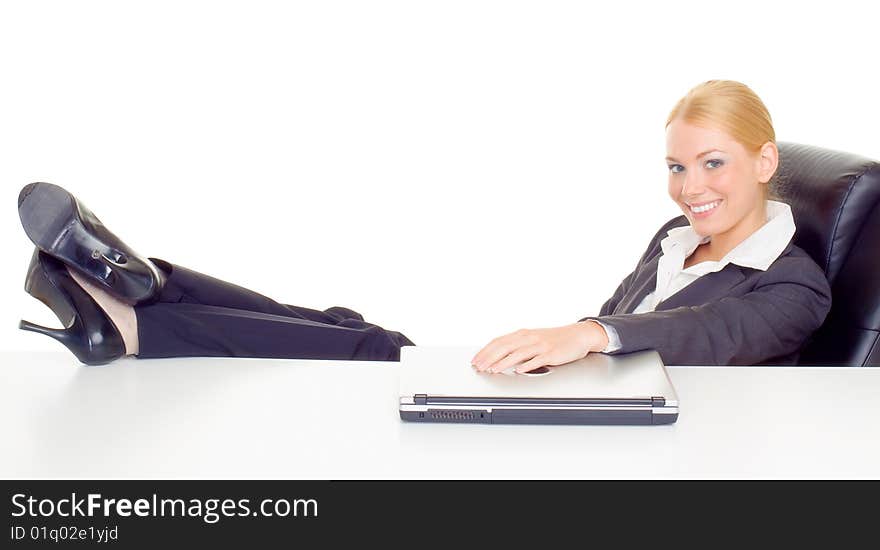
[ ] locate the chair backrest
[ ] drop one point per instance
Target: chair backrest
(835, 201)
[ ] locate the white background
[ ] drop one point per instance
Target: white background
(452, 170)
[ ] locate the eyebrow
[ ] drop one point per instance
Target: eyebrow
(701, 154)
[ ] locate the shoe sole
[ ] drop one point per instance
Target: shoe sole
(51, 221)
(46, 211)
(64, 228)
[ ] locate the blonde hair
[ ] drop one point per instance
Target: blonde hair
(731, 107)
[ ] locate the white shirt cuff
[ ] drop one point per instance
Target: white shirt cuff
(613, 337)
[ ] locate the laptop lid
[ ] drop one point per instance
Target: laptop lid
(441, 378)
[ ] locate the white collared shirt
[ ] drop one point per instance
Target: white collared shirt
(757, 251)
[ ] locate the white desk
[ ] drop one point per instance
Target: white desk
(272, 419)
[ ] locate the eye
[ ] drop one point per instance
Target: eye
(672, 166)
(715, 160)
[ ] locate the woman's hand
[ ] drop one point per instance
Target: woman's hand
(541, 346)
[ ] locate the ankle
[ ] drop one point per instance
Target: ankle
(120, 313)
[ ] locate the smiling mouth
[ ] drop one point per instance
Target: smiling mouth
(706, 207)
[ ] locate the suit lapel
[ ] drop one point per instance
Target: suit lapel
(645, 282)
(710, 286)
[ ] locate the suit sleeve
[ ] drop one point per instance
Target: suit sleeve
(788, 303)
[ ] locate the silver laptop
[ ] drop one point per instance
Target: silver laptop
(438, 384)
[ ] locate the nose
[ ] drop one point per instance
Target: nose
(693, 186)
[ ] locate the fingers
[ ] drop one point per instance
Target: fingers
(518, 356)
(532, 364)
(499, 348)
(532, 347)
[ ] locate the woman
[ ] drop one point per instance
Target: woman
(721, 285)
(756, 297)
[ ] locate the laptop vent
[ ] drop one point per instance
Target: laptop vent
(453, 415)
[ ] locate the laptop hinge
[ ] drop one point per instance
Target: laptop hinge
(658, 401)
(421, 399)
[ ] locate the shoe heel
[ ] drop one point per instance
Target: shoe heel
(38, 285)
(59, 334)
(86, 354)
(88, 332)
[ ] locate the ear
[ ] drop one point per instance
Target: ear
(768, 160)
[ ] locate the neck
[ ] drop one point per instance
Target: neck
(723, 243)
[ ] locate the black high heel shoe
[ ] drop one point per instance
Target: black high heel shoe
(88, 332)
(60, 225)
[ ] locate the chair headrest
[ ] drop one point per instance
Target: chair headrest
(832, 194)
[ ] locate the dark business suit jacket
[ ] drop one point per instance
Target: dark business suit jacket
(734, 316)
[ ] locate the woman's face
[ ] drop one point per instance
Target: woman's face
(712, 172)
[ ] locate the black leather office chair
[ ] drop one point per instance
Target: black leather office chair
(835, 200)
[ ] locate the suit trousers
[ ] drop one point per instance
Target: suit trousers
(197, 315)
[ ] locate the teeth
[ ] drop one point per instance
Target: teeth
(705, 207)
